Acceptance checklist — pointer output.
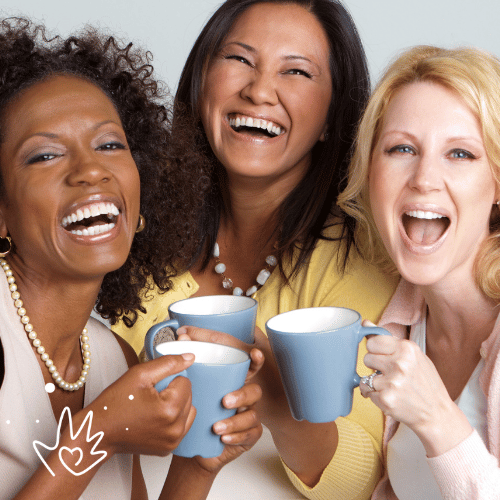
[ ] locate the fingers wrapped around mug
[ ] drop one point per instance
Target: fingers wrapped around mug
(244, 428)
(409, 388)
(136, 418)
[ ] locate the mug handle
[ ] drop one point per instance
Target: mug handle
(363, 332)
(151, 335)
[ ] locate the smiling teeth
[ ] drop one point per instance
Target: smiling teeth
(255, 123)
(94, 230)
(93, 210)
(420, 214)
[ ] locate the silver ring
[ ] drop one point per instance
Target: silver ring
(368, 380)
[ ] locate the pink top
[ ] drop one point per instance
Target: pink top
(470, 470)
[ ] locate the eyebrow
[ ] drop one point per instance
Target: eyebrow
(449, 139)
(50, 135)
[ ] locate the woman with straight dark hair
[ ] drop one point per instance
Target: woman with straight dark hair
(276, 89)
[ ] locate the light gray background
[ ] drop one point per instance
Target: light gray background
(168, 28)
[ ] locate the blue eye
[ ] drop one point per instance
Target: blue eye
(462, 154)
(402, 149)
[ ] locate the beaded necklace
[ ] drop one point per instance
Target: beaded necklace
(28, 327)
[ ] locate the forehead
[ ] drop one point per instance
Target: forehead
(287, 26)
(54, 98)
(430, 104)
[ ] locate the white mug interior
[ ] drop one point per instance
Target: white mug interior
(313, 320)
(212, 304)
(204, 352)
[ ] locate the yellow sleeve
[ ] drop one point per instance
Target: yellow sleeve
(352, 473)
(156, 305)
(356, 466)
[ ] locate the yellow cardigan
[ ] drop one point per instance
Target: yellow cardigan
(356, 466)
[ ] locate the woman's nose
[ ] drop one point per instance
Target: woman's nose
(427, 175)
(87, 169)
(261, 89)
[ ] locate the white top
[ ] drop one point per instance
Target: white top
(26, 413)
(409, 473)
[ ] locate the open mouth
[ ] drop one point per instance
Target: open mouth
(255, 126)
(423, 227)
(92, 219)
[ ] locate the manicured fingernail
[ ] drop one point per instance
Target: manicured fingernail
(219, 427)
(181, 330)
(188, 356)
(229, 401)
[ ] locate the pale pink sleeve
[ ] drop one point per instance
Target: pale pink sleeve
(467, 471)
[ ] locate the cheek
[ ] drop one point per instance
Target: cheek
(377, 191)
(382, 201)
(476, 198)
(208, 117)
(313, 110)
(135, 183)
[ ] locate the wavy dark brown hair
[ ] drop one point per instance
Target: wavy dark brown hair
(173, 174)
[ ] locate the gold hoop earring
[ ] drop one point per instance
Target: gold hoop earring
(141, 225)
(9, 241)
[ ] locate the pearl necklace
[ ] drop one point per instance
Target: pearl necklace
(227, 283)
(28, 327)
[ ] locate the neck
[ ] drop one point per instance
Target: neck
(252, 204)
(58, 309)
(460, 312)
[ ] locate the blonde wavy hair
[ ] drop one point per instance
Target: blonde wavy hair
(475, 76)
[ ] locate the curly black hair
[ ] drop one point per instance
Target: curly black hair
(173, 172)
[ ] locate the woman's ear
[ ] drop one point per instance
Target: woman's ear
(3, 226)
(324, 135)
(497, 197)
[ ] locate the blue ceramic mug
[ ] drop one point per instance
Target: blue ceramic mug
(233, 314)
(216, 371)
(316, 351)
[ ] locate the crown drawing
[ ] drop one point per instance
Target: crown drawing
(87, 422)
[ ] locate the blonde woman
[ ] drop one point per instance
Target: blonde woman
(424, 187)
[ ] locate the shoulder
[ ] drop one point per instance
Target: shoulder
(128, 352)
(107, 340)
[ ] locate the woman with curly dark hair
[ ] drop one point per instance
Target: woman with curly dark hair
(87, 169)
(276, 88)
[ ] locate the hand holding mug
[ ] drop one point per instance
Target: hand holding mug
(217, 371)
(231, 314)
(136, 418)
(239, 432)
(410, 390)
(316, 351)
